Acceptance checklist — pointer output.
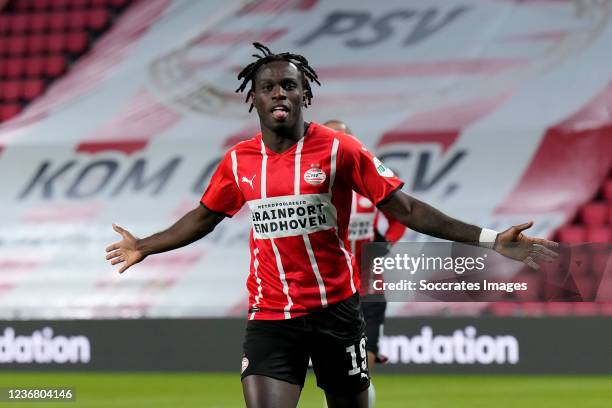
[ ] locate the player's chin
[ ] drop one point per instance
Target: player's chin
(286, 123)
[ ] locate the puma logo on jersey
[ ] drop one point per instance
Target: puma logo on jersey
(249, 182)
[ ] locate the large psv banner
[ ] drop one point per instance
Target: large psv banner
(496, 112)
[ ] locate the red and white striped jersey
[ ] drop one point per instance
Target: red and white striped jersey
(300, 202)
(365, 217)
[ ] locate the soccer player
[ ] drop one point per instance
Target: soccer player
(363, 229)
(297, 178)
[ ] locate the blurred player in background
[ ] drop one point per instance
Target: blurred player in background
(363, 229)
(297, 178)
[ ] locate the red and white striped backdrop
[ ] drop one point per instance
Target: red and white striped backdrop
(494, 111)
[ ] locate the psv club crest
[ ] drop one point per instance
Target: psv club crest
(315, 175)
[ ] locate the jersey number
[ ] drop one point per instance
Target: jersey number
(362, 352)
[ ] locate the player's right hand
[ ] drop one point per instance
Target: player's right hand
(124, 251)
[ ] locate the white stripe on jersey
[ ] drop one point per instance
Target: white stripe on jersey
(281, 272)
(235, 167)
(313, 260)
(353, 211)
(298, 159)
(263, 169)
(315, 268)
(332, 165)
(258, 280)
(347, 256)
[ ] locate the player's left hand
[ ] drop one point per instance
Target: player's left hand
(512, 243)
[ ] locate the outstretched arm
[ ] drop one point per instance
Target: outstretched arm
(424, 218)
(192, 226)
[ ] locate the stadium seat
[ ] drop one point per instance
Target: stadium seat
(58, 20)
(63, 4)
(98, 19)
(77, 20)
(12, 91)
(37, 44)
(39, 38)
(595, 213)
(17, 45)
(56, 42)
(79, 3)
(76, 42)
(39, 22)
(19, 24)
(4, 24)
(599, 234)
(118, 3)
(35, 67)
(572, 234)
(42, 5)
(32, 89)
(14, 68)
(39, 4)
(607, 192)
(7, 111)
(22, 5)
(55, 65)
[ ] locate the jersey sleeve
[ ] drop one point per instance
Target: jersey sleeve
(365, 173)
(395, 231)
(222, 194)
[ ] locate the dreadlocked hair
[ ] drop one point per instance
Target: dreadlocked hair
(248, 73)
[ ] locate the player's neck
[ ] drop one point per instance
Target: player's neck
(280, 141)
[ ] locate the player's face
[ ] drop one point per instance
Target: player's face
(278, 95)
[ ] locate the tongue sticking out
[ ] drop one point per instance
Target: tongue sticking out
(279, 114)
